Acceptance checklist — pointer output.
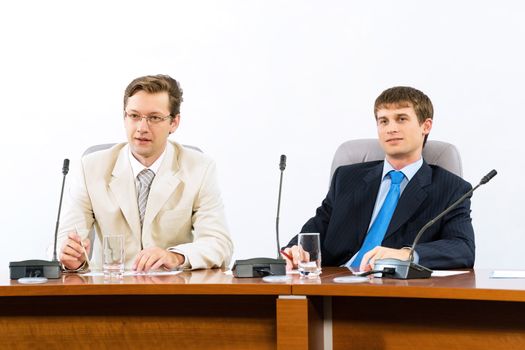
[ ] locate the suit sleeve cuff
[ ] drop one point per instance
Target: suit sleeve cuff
(186, 264)
(81, 268)
(415, 255)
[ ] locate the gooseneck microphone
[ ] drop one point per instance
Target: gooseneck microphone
(42, 268)
(260, 267)
(282, 166)
(483, 181)
(407, 269)
(65, 170)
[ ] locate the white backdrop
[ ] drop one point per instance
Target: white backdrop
(260, 78)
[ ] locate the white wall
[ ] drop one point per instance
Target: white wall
(260, 78)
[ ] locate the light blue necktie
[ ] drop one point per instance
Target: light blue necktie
(377, 232)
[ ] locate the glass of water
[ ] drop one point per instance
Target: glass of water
(310, 255)
(113, 246)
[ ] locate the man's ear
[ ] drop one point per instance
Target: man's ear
(427, 126)
(174, 123)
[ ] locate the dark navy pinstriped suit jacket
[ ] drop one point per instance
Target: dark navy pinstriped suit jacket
(344, 216)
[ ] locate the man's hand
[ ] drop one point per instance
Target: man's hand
(71, 253)
(368, 261)
(297, 254)
(154, 258)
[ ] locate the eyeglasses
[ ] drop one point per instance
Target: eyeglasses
(152, 119)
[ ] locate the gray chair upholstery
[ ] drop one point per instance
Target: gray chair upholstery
(103, 146)
(100, 147)
(439, 153)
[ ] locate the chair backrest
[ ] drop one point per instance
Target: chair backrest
(439, 153)
(104, 146)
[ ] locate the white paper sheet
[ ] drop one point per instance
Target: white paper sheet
(135, 273)
(445, 273)
(508, 274)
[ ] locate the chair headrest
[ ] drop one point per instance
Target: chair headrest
(440, 153)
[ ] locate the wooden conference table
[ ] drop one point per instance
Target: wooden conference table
(210, 309)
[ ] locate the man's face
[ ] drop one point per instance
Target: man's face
(148, 140)
(400, 134)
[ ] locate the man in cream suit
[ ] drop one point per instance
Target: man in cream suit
(177, 219)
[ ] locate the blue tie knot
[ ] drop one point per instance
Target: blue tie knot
(396, 177)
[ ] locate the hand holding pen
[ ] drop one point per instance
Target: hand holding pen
(74, 251)
(292, 256)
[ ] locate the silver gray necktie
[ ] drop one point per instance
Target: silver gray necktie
(145, 178)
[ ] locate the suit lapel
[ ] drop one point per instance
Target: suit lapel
(372, 180)
(122, 186)
(411, 198)
(164, 184)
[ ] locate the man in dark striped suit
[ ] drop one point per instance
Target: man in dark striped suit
(346, 219)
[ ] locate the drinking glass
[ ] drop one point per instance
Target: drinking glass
(113, 246)
(310, 255)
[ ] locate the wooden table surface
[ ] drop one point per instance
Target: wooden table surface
(200, 282)
(212, 309)
(467, 311)
(205, 309)
(474, 285)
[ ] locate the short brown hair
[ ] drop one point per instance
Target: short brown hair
(153, 84)
(405, 96)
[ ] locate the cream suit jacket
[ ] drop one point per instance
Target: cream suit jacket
(184, 210)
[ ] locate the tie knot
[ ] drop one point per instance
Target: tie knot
(396, 177)
(146, 176)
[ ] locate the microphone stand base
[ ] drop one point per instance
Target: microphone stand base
(34, 268)
(401, 269)
(259, 267)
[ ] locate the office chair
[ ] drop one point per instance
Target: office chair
(439, 153)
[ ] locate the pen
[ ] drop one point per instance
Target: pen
(84, 251)
(286, 255)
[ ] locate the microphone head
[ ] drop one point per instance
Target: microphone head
(282, 163)
(489, 176)
(65, 167)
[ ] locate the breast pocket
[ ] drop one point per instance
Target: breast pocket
(173, 226)
(175, 217)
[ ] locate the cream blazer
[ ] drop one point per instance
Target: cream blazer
(184, 210)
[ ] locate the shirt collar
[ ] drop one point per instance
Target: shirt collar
(409, 171)
(137, 166)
